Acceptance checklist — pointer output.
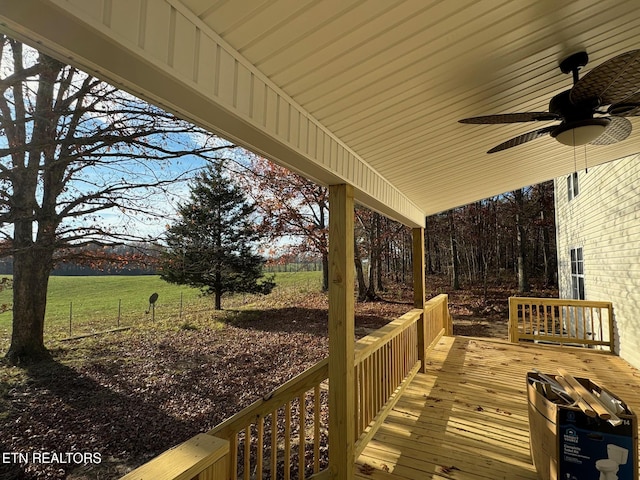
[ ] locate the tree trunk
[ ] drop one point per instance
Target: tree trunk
(218, 291)
(550, 266)
(325, 272)
(427, 240)
(30, 281)
(371, 290)
(378, 251)
(523, 277)
(455, 274)
(362, 284)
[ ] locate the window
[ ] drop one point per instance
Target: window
(577, 274)
(572, 186)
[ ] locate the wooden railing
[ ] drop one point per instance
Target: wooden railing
(202, 457)
(563, 321)
(437, 319)
(280, 436)
(385, 361)
(388, 359)
(284, 434)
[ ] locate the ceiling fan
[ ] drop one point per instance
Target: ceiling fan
(582, 110)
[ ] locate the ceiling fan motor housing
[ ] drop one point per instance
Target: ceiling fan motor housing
(578, 126)
(562, 105)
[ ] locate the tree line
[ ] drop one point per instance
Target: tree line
(509, 237)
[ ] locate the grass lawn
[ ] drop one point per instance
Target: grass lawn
(94, 303)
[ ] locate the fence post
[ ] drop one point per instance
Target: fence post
(119, 310)
(70, 316)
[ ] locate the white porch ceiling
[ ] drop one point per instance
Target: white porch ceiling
(383, 83)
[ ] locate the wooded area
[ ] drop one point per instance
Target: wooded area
(509, 238)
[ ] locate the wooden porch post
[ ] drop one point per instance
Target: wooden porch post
(341, 333)
(418, 291)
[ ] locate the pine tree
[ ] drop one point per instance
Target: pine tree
(211, 246)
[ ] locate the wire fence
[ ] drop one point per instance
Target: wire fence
(79, 312)
(83, 319)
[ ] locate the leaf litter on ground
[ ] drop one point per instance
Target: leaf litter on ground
(131, 395)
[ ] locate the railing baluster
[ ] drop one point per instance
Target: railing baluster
(233, 451)
(260, 448)
(316, 428)
(302, 416)
(274, 444)
(600, 326)
(367, 397)
(287, 440)
(520, 318)
(247, 453)
(377, 376)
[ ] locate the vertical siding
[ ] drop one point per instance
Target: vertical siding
(604, 219)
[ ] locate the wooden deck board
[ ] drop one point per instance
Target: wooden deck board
(466, 417)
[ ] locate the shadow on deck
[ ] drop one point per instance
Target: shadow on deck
(466, 417)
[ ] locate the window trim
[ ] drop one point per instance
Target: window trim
(573, 186)
(576, 259)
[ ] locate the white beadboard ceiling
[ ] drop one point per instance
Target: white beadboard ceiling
(391, 78)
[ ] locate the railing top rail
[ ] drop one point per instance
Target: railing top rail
(436, 302)
(369, 344)
(270, 402)
(561, 302)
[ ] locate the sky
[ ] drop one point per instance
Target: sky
(163, 203)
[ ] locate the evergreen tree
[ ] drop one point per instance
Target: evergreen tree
(210, 247)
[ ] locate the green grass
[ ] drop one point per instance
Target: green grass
(93, 302)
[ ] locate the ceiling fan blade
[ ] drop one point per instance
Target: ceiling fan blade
(512, 118)
(612, 82)
(629, 107)
(524, 138)
(619, 129)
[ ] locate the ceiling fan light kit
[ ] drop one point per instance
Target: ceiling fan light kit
(580, 132)
(580, 110)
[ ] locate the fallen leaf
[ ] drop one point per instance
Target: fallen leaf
(448, 469)
(366, 469)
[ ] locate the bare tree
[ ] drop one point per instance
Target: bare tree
(292, 208)
(75, 150)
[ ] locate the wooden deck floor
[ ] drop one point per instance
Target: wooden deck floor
(466, 418)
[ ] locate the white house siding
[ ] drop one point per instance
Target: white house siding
(604, 219)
